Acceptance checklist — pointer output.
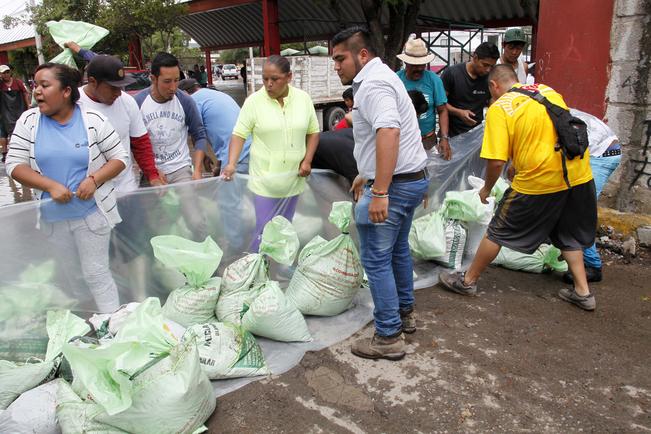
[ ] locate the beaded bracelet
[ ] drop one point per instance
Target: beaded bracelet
(94, 180)
(379, 194)
(382, 193)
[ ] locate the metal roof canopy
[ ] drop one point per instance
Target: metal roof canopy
(220, 24)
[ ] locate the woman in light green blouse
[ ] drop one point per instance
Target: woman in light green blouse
(285, 133)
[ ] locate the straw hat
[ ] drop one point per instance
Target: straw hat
(416, 53)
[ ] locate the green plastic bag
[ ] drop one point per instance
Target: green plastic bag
(545, 258)
(329, 273)
(465, 206)
(195, 302)
(244, 278)
(498, 190)
(427, 236)
(143, 380)
(16, 378)
(273, 316)
(279, 241)
(84, 34)
(103, 371)
(227, 351)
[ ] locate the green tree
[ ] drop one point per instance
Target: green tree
(153, 21)
(236, 55)
(402, 22)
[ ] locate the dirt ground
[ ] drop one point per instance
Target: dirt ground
(514, 359)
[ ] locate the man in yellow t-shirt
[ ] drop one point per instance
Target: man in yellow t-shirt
(539, 204)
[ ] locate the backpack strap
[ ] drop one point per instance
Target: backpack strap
(553, 109)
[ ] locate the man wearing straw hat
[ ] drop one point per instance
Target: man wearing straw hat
(417, 76)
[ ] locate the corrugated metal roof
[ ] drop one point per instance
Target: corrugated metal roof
(20, 32)
(16, 34)
(241, 25)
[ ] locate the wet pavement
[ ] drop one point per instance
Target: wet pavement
(11, 192)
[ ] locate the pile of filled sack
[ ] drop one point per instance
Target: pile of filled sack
(453, 233)
(146, 368)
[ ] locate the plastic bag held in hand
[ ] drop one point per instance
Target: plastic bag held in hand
(84, 34)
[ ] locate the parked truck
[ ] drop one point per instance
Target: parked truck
(315, 75)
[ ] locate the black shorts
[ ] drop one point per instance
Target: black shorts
(523, 222)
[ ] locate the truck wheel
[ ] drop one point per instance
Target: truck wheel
(332, 117)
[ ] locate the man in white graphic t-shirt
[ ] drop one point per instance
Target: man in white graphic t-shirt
(169, 115)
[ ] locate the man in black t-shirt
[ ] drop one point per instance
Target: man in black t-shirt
(466, 85)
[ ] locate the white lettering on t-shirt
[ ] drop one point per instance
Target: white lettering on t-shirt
(168, 133)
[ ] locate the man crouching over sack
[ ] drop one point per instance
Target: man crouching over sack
(544, 199)
(391, 162)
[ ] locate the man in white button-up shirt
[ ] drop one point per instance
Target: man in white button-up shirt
(391, 162)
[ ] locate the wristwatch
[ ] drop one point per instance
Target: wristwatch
(444, 137)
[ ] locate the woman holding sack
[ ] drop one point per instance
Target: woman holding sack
(285, 133)
(71, 154)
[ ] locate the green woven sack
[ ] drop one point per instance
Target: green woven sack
(329, 273)
(244, 278)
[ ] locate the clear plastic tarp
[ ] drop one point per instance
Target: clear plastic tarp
(36, 276)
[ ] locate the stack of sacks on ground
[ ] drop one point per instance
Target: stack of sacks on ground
(249, 298)
(144, 380)
(194, 302)
(457, 228)
(23, 312)
(225, 350)
(329, 273)
(546, 258)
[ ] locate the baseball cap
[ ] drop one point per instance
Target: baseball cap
(187, 84)
(514, 35)
(108, 69)
(4, 68)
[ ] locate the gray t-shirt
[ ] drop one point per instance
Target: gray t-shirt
(381, 101)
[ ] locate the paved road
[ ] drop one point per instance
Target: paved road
(232, 87)
(514, 359)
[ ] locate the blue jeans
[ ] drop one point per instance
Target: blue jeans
(602, 168)
(385, 253)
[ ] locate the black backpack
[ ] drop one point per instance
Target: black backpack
(572, 132)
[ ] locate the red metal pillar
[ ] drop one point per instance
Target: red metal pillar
(208, 65)
(271, 27)
(4, 57)
(135, 52)
(573, 55)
